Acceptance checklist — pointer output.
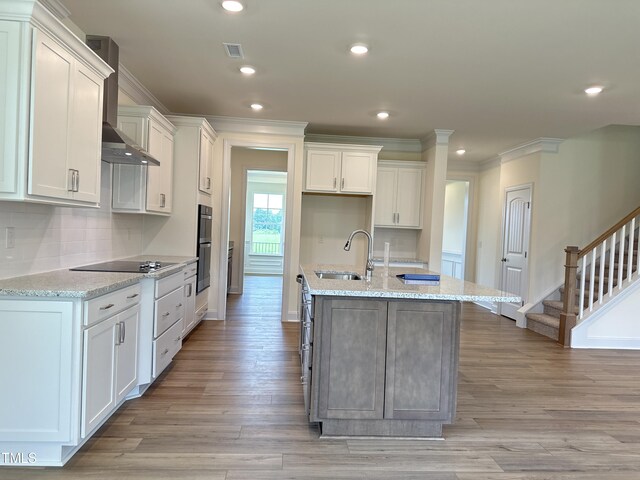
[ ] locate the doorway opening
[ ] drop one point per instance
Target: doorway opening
(257, 232)
(454, 235)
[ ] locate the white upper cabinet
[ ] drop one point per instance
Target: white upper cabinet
(51, 89)
(207, 139)
(398, 198)
(145, 189)
(345, 169)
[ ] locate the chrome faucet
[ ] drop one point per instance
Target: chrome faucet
(347, 247)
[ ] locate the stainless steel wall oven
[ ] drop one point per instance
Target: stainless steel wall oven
(203, 248)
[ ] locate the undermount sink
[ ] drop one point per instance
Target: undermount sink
(338, 275)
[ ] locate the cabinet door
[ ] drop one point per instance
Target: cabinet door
(385, 196)
(206, 161)
(10, 93)
(323, 169)
(409, 197)
(98, 383)
(421, 366)
(160, 179)
(50, 119)
(129, 187)
(352, 359)
(357, 172)
(85, 136)
(127, 352)
(189, 319)
(154, 174)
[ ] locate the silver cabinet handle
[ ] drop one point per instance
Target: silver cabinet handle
(166, 350)
(123, 330)
(107, 307)
(208, 182)
(190, 289)
(398, 217)
(335, 180)
(132, 296)
(342, 184)
(178, 339)
(179, 305)
(166, 314)
(77, 181)
(119, 335)
(71, 180)
(162, 200)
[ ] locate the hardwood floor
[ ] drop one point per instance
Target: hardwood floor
(230, 407)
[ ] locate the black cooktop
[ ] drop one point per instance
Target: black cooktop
(126, 266)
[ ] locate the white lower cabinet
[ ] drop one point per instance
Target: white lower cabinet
(189, 321)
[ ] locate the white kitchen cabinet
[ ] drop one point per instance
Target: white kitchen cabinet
(344, 169)
(145, 189)
(398, 197)
(205, 161)
(51, 121)
(189, 320)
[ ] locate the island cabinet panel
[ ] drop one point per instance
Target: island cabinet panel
(353, 359)
(420, 359)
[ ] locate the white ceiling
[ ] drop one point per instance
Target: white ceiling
(498, 72)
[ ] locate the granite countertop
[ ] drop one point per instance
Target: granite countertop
(387, 285)
(72, 284)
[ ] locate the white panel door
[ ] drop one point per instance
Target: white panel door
(323, 169)
(99, 364)
(86, 134)
(50, 119)
(515, 246)
(357, 172)
(409, 197)
(127, 352)
(385, 196)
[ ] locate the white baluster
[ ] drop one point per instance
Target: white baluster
(623, 232)
(612, 259)
(632, 233)
(638, 264)
(592, 280)
(603, 257)
(583, 275)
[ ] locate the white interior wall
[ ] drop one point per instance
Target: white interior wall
(453, 234)
(327, 222)
(488, 227)
(50, 238)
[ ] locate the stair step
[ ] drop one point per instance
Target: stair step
(543, 324)
(554, 307)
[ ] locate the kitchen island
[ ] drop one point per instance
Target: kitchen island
(380, 357)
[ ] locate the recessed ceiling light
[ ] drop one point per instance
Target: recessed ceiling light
(128, 154)
(383, 115)
(256, 106)
(232, 6)
(247, 70)
(359, 49)
(461, 151)
(595, 90)
(143, 161)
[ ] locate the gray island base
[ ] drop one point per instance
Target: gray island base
(380, 358)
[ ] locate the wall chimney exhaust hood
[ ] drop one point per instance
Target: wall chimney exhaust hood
(116, 146)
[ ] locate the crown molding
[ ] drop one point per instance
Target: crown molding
(388, 144)
(58, 9)
(542, 144)
(490, 163)
(252, 125)
(463, 165)
(438, 136)
(342, 146)
(130, 85)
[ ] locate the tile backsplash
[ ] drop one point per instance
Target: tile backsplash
(49, 238)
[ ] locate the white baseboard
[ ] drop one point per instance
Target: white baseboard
(292, 316)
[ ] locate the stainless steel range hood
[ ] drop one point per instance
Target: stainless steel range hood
(116, 146)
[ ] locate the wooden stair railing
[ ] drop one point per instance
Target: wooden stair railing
(618, 242)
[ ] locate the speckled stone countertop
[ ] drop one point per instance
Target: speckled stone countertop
(71, 284)
(388, 286)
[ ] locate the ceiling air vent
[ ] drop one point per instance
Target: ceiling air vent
(234, 50)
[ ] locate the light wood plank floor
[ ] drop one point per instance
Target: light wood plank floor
(230, 407)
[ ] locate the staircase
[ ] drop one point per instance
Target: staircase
(595, 274)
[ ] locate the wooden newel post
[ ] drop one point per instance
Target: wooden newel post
(568, 315)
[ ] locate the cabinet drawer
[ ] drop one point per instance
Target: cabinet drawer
(99, 308)
(169, 309)
(165, 348)
(168, 284)
(190, 270)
